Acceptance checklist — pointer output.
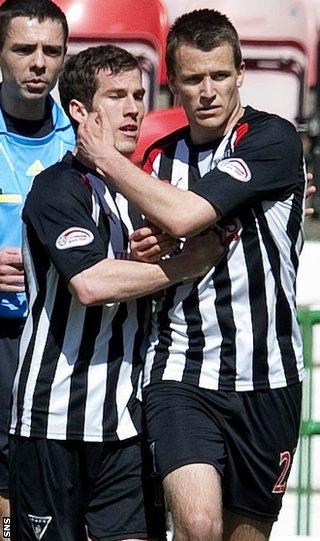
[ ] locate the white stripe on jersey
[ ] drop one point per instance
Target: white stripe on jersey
(126, 427)
(277, 222)
(153, 342)
(123, 207)
(209, 375)
(104, 198)
(299, 243)
(155, 167)
(40, 342)
(242, 318)
(28, 328)
(276, 373)
(60, 388)
(180, 167)
(97, 381)
(205, 162)
(175, 364)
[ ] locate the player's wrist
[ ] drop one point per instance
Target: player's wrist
(106, 162)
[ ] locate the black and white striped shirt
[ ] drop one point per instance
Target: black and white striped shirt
(80, 367)
(236, 328)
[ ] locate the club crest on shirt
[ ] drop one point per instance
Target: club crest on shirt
(236, 168)
(73, 237)
(39, 525)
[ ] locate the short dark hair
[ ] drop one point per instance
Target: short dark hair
(203, 29)
(33, 9)
(78, 77)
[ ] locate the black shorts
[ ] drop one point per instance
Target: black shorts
(249, 437)
(69, 488)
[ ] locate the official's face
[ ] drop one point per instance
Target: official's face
(31, 57)
(121, 97)
(208, 85)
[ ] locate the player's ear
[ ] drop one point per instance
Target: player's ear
(240, 77)
(77, 111)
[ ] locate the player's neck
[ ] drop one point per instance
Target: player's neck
(238, 112)
(22, 108)
(202, 137)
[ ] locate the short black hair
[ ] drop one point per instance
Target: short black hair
(78, 77)
(33, 9)
(203, 29)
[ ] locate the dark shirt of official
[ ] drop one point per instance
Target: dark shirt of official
(29, 128)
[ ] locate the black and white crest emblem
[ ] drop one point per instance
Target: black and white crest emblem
(39, 525)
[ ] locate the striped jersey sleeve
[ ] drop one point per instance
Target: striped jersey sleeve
(65, 226)
(262, 165)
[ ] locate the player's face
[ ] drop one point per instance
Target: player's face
(208, 85)
(31, 57)
(121, 97)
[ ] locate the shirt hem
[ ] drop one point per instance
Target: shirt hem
(238, 387)
(23, 433)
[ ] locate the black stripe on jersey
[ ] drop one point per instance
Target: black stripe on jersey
(79, 379)
(193, 172)
(125, 233)
(166, 162)
(294, 227)
(222, 284)
(140, 348)
(115, 359)
(293, 230)
(257, 300)
(161, 350)
(283, 312)
(196, 339)
(52, 351)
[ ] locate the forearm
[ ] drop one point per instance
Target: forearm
(115, 280)
(180, 213)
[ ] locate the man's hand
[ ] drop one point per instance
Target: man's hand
(11, 270)
(201, 253)
(94, 135)
(149, 244)
(311, 190)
